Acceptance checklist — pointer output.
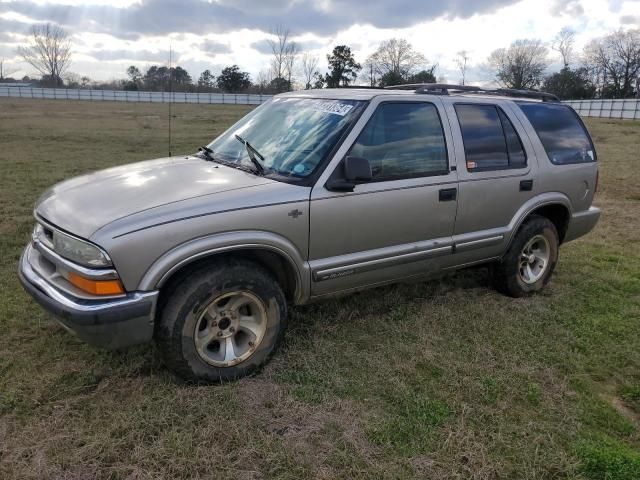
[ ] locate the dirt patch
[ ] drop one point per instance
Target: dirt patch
(618, 404)
(315, 433)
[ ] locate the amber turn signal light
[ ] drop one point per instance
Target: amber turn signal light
(95, 287)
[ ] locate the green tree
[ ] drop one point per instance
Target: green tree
(318, 80)
(135, 79)
(391, 78)
(164, 79)
(134, 74)
(343, 69)
(206, 81)
(231, 79)
(570, 84)
(280, 84)
(423, 76)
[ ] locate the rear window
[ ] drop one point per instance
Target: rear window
(561, 132)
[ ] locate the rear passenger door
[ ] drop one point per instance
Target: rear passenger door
(496, 173)
(398, 224)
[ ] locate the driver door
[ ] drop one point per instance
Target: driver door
(401, 222)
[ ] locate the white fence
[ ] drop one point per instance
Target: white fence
(627, 108)
(126, 96)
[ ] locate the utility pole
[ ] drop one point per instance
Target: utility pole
(170, 93)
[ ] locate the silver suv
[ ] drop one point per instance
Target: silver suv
(312, 194)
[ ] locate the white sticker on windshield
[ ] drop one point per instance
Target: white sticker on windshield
(336, 108)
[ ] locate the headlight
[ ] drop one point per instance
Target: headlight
(72, 248)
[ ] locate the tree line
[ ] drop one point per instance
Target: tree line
(607, 67)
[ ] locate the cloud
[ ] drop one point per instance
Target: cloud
(134, 55)
(572, 8)
(159, 17)
(262, 46)
(13, 26)
(306, 45)
(7, 38)
(212, 47)
(630, 20)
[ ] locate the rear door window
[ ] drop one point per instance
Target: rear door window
(490, 139)
(561, 132)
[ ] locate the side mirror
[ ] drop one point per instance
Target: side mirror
(356, 169)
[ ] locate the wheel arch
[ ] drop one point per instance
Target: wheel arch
(558, 214)
(554, 206)
(274, 253)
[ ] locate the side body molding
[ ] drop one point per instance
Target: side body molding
(490, 244)
(185, 253)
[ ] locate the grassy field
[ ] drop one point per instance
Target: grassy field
(444, 379)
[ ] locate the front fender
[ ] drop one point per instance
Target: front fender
(170, 262)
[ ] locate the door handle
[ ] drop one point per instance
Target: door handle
(526, 185)
(447, 194)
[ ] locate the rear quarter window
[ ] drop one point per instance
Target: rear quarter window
(562, 133)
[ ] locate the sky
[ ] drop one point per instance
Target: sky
(109, 35)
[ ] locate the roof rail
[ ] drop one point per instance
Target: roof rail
(446, 89)
(368, 87)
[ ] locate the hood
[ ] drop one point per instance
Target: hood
(84, 204)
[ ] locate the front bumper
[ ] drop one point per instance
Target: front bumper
(582, 223)
(110, 323)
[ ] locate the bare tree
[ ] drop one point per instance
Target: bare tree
(309, 68)
(263, 80)
(5, 71)
(563, 43)
(291, 56)
(49, 52)
(284, 54)
(462, 59)
(369, 71)
(394, 61)
(614, 61)
(521, 65)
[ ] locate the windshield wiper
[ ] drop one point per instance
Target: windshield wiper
(253, 155)
(207, 152)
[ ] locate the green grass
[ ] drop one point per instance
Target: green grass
(442, 379)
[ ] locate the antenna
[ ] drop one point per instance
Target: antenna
(170, 93)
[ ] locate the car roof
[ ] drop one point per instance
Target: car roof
(366, 94)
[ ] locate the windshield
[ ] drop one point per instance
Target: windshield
(293, 135)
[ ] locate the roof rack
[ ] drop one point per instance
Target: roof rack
(367, 87)
(446, 89)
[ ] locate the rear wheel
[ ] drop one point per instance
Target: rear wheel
(221, 322)
(530, 260)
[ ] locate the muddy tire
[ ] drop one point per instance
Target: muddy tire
(221, 322)
(529, 262)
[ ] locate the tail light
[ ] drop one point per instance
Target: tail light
(595, 188)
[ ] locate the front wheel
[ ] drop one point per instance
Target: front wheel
(221, 322)
(530, 260)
